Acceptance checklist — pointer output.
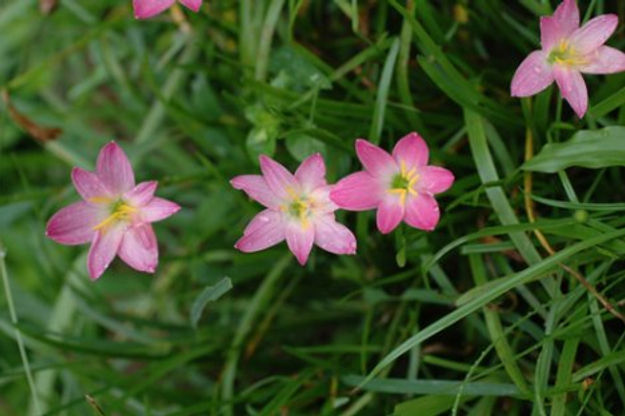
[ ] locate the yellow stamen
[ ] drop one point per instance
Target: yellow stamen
(121, 211)
(566, 55)
(403, 184)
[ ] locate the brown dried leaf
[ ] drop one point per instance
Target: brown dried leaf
(41, 133)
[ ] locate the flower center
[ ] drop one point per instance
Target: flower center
(299, 208)
(120, 211)
(403, 183)
(565, 54)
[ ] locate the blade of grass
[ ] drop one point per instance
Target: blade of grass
(384, 85)
(496, 288)
(35, 404)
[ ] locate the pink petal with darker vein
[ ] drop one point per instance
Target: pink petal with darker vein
(573, 89)
(311, 174)
(278, 178)
(532, 76)
(88, 185)
(564, 21)
(256, 188)
(412, 151)
(265, 230)
(145, 9)
(74, 223)
(375, 160)
(114, 169)
(158, 209)
(604, 60)
(141, 194)
(139, 248)
(103, 249)
(434, 179)
(300, 240)
(357, 192)
(390, 213)
(334, 237)
(594, 33)
(422, 212)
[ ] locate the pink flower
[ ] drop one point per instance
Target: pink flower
(115, 215)
(298, 210)
(400, 186)
(147, 8)
(567, 51)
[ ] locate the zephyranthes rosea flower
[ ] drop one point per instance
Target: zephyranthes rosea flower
(299, 210)
(568, 51)
(147, 8)
(401, 186)
(115, 215)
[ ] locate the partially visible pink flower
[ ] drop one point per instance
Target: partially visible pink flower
(299, 210)
(568, 51)
(401, 186)
(115, 215)
(145, 9)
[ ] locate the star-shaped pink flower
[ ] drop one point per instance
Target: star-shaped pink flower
(401, 186)
(299, 210)
(568, 51)
(115, 215)
(145, 9)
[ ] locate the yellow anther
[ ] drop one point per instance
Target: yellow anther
(121, 212)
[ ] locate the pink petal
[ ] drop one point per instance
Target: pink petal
(278, 178)
(103, 249)
(148, 8)
(532, 76)
(320, 199)
(573, 89)
(422, 212)
(265, 230)
(412, 150)
(141, 194)
(139, 248)
(192, 4)
(114, 169)
(434, 179)
(604, 60)
(74, 223)
(390, 213)
(559, 26)
(88, 184)
(311, 174)
(256, 188)
(300, 240)
(594, 33)
(158, 209)
(334, 237)
(375, 160)
(357, 192)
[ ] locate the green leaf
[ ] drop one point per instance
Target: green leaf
(209, 294)
(438, 387)
(587, 148)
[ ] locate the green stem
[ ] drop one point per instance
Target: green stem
(266, 34)
(18, 334)
(258, 302)
(155, 116)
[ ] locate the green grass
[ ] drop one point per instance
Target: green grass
(475, 318)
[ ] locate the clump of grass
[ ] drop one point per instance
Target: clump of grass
(485, 315)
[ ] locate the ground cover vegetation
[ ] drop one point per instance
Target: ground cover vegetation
(505, 300)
